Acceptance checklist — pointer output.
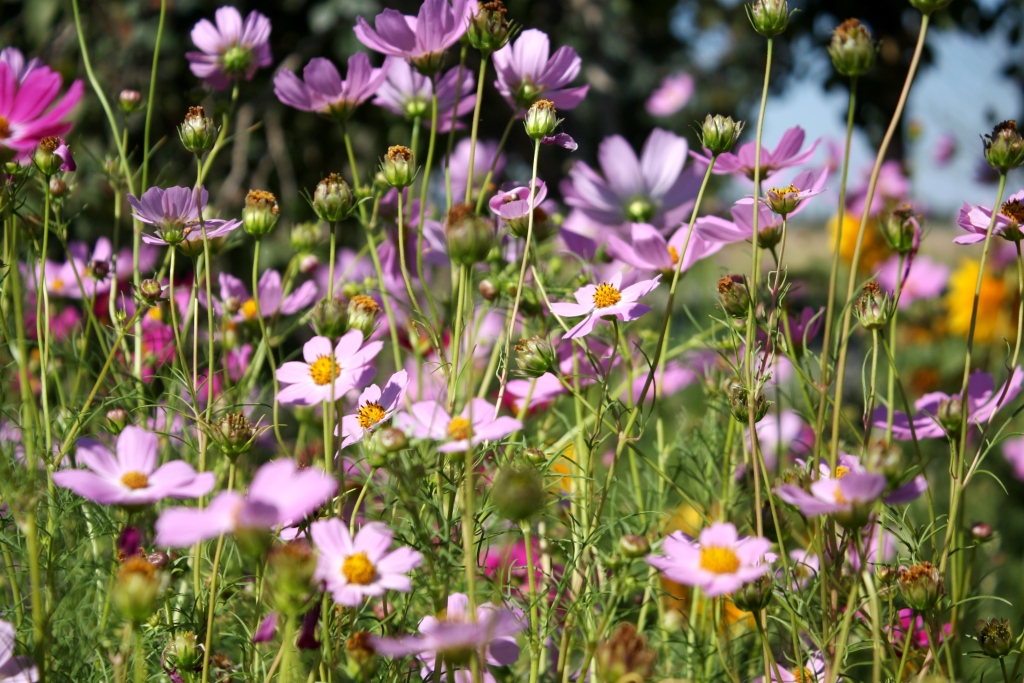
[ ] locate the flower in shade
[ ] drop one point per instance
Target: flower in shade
(421, 40)
(30, 104)
(527, 72)
(975, 220)
(652, 189)
(374, 408)
(355, 568)
(235, 300)
(175, 214)
(280, 494)
(1013, 451)
(923, 279)
(131, 478)
(672, 95)
(322, 91)
(472, 427)
(939, 413)
(607, 298)
(741, 162)
(314, 379)
(650, 251)
(230, 49)
(408, 93)
(14, 669)
(718, 562)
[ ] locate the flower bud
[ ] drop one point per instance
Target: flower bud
(309, 264)
(117, 418)
(1004, 147)
(489, 30)
(58, 188)
(488, 290)
(851, 48)
(470, 236)
(137, 588)
(129, 100)
(541, 119)
(624, 657)
(235, 434)
(769, 17)
(518, 492)
(362, 314)
(733, 296)
(633, 546)
(995, 637)
(920, 585)
(535, 456)
(886, 459)
(332, 199)
(392, 440)
(755, 595)
(260, 213)
(535, 356)
(720, 133)
(159, 559)
(981, 532)
(183, 653)
(873, 307)
(151, 290)
(782, 200)
(330, 318)
(738, 404)
(198, 133)
(52, 156)
(929, 6)
(290, 572)
(360, 657)
(399, 167)
(884, 574)
(901, 230)
(950, 414)
(304, 237)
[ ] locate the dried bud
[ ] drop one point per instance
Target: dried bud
(332, 199)
(198, 133)
(851, 49)
(184, 653)
(260, 213)
(117, 418)
(129, 100)
(488, 290)
(738, 403)
(58, 188)
(151, 290)
(981, 532)
(362, 314)
(535, 356)
(624, 657)
(1004, 147)
(755, 595)
(290, 573)
(541, 119)
(399, 167)
(470, 236)
(330, 318)
(920, 585)
(518, 492)
(720, 133)
(235, 434)
(995, 637)
(305, 237)
(769, 17)
(634, 546)
(137, 588)
(901, 230)
(489, 30)
(874, 307)
(733, 296)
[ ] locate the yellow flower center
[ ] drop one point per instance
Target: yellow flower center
(135, 480)
(719, 560)
(840, 498)
(58, 284)
(370, 414)
(674, 255)
(841, 471)
(804, 675)
(459, 429)
(606, 296)
(358, 569)
(249, 309)
(780, 191)
(5, 128)
(1014, 210)
(155, 314)
(321, 370)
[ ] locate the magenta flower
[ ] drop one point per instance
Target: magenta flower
(719, 562)
(421, 40)
(14, 669)
(407, 93)
(175, 213)
(672, 95)
(231, 49)
(924, 278)
(375, 407)
(650, 251)
(281, 494)
(919, 637)
(322, 91)
(527, 72)
(741, 162)
(30, 106)
(236, 302)
(314, 380)
(598, 301)
(132, 478)
(355, 568)
(473, 426)
(62, 279)
(975, 220)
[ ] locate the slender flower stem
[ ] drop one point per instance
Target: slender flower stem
(869, 405)
(384, 297)
(44, 319)
(204, 438)
(214, 573)
(494, 162)
(891, 388)
(844, 336)
(476, 125)
(1020, 309)
(534, 606)
(330, 264)
(405, 269)
(456, 342)
(451, 131)
(266, 339)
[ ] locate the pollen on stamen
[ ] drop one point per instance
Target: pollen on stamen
(321, 371)
(370, 414)
(1014, 210)
(605, 295)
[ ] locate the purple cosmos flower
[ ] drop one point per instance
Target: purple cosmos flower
(473, 426)
(482, 162)
(26, 92)
(672, 95)
(719, 562)
(937, 412)
(354, 568)
(314, 380)
(1013, 451)
(175, 213)
(975, 220)
(322, 91)
(408, 93)
(741, 162)
(513, 206)
(280, 495)
(14, 669)
(597, 301)
(421, 40)
(563, 140)
(62, 279)
(231, 49)
(236, 302)
(787, 200)
(132, 478)
(374, 408)
(651, 189)
(650, 251)
(527, 74)
(929, 278)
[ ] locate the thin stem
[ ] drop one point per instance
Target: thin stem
(476, 126)
(497, 156)
(384, 297)
(330, 264)
(266, 337)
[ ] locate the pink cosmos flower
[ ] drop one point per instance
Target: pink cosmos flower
(513, 206)
(375, 407)
(919, 635)
(527, 72)
(311, 382)
(322, 91)
(132, 478)
(598, 301)
(719, 562)
(360, 567)
(482, 162)
(422, 39)
(62, 279)
(473, 426)
(924, 280)
(672, 95)
(280, 495)
(14, 669)
(781, 434)
(741, 162)
(231, 49)
(175, 211)
(236, 302)
(650, 251)
(651, 189)
(975, 219)
(27, 91)
(408, 93)
(1013, 451)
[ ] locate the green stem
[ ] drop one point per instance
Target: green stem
(494, 162)
(330, 263)
(140, 655)
(214, 574)
(476, 126)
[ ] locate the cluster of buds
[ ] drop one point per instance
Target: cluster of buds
(518, 492)
(535, 356)
(624, 657)
(719, 134)
(995, 637)
(769, 17)
(874, 307)
(1004, 147)
(260, 214)
(489, 30)
(851, 49)
(920, 585)
(739, 403)
(541, 120)
(470, 237)
(198, 133)
(399, 167)
(901, 230)
(333, 200)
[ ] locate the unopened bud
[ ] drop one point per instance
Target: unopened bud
(634, 546)
(624, 657)
(136, 589)
(392, 440)
(58, 188)
(739, 404)
(362, 314)
(541, 119)
(489, 30)
(129, 100)
(873, 307)
(290, 573)
(117, 418)
(720, 133)
(755, 595)
(151, 290)
(518, 492)
(260, 213)
(330, 318)
(488, 290)
(159, 559)
(950, 414)
(305, 237)
(309, 264)
(235, 434)
(901, 230)
(535, 356)
(981, 532)
(995, 637)
(399, 167)
(851, 48)
(929, 6)
(198, 133)
(470, 236)
(183, 653)
(332, 199)
(733, 297)
(1004, 147)
(769, 17)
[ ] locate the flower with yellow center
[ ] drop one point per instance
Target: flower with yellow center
(841, 471)
(370, 414)
(460, 429)
(606, 295)
(135, 480)
(248, 309)
(960, 302)
(719, 560)
(322, 372)
(358, 569)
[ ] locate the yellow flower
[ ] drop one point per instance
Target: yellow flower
(960, 301)
(873, 250)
